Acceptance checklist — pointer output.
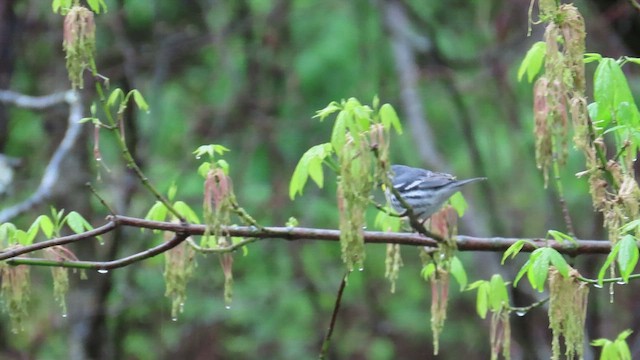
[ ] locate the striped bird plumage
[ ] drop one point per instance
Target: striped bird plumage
(425, 191)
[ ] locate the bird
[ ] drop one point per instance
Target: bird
(424, 190)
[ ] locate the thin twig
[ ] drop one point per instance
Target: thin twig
(525, 309)
(102, 200)
(334, 317)
(104, 265)
(17, 251)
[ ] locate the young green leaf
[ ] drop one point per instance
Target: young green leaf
(627, 256)
(339, 132)
(97, 5)
(116, 96)
(210, 150)
(482, 299)
(591, 57)
(33, 231)
(7, 232)
(46, 225)
(315, 155)
(612, 255)
(523, 270)
(427, 271)
(186, 211)
(498, 295)
(561, 237)
(458, 272)
(158, 212)
(532, 62)
(328, 110)
(77, 223)
(514, 249)
(458, 203)
(389, 118)
(204, 168)
(139, 100)
(539, 268)
(558, 261)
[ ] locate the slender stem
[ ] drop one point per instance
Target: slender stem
(525, 309)
(117, 128)
(100, 198)
(221, 250)
(104, 265)
(334, 316)
(608, 280)
(17, 251)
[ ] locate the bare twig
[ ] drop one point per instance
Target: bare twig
(52, 171)
(334, 316)
(17, 251)
(104, 265)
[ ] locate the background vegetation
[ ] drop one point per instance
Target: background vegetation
(250, 75)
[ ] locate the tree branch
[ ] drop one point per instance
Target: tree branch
(464, 243)
(104, 265)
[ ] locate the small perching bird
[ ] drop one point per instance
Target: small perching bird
(425, 191)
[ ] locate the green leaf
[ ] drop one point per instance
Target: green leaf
(32, 232)
(46, 225)
(498, 295)
(224, 165)
(609, 352)
(458, 203)
(482, 299)
(523, 270)
(139, 100)
(610, 90)
(591, 57)
(210, 150)
(186, 211)
(427, 271)
(532, 62)
(627, 256)
(599, 342)
(300, 175)
(539, 268)
(561, 237)
(328, 110)
(116, 96)
(22, 238)
(204, 168)
(624, 353)
(558, 261)
(77, 223)
(514, 249)
(458, 272)
(7, 232)
(607, 263)
(315, 171)
(623, 335)
(339, 132)
(389, 118)
(158, 212)
(385, 222)
(97, 5)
